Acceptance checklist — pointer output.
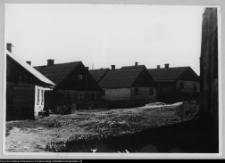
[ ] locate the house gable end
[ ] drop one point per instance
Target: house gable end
(16, 73)
(144, 79)
(57, 72)
(79, 79)
(188, 75)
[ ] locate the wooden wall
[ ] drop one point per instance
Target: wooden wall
(73, 82)
(143, 95)
(82, 99)
(20, 101)
(188, 86)
(20, 92)
(127, 96)
(117, 94)
(167, 92)
(170, 92)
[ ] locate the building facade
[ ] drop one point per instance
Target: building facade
(128, 86)
(74, 85)
(21, 88)
(175, 84)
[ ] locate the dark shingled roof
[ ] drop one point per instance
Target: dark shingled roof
(168, 74)
(98, 74)
(121, 78)
(57, 72)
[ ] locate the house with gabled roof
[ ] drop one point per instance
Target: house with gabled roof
(73, 82)
(176, 83)
(128, 86)
(23, 88)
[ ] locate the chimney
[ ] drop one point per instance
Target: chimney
(136, 63)
(113, 67)
(158, 66)
(50, 62)
(87, 68)
(29, 62)
(166, 66)
(9, 47)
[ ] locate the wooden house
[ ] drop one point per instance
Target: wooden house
(128, 86)
(74, 84)
(23, 88)
(209, 63)
(175, 84)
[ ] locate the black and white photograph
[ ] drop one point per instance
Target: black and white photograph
(120, 79)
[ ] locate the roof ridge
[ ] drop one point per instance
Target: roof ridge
(167, 74)
(60, 63)
(138, 66)
(100, 69)
(167, 68)
(120, 77)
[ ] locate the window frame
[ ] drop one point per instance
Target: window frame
(195, 87)
(92, 97)
(42, 96)
(80, 77)
(151, 91)
(136, 91)
(181, 86)
(38, 96)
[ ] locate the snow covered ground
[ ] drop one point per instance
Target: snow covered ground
(160, 105)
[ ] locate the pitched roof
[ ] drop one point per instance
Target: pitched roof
(121, 78)
(167, 74)
(98, 74)
(30, 69)
(58, 72)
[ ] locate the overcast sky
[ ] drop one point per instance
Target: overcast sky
(103, 35)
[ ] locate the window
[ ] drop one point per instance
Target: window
(194, 87)
(98, 96)
(181, 85)
(151, 91)
(80, 77)
(86, 96)
(92, 96)
(20, 78)
(135, 91)
(38, 96)
(42, 96)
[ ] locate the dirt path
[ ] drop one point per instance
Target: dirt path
(39, 135)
